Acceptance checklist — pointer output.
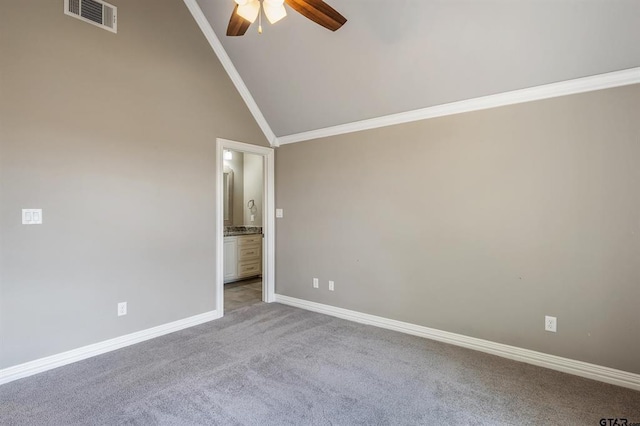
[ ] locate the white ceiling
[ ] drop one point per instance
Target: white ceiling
(400, 55)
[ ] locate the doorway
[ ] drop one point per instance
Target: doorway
(253, 243)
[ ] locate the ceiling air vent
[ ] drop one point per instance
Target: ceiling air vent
(96, 12)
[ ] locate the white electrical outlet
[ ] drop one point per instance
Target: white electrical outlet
(550, 323)
(331, 286)
(279, 213)
(316, 283)
(122, 309)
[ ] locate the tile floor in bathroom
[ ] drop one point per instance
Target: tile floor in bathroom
(242, 293)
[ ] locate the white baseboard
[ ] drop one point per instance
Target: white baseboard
(578, 368)
(48, 363)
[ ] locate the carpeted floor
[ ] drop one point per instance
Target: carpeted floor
(270, 364)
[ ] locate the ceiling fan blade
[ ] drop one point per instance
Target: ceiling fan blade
(237, 24)
(319, 12)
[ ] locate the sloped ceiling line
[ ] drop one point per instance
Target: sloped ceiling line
(546, 91)
(211, 37)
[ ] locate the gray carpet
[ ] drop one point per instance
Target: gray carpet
(277, 365)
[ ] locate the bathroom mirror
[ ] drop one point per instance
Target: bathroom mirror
(227, 184)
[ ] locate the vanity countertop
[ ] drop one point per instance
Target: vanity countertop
(233, 231)
(236, 233)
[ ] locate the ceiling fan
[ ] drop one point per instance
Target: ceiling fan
(246, 12)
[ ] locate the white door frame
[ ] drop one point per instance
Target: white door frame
(268, 221)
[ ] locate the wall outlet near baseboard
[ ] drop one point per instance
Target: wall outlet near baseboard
(122, 309)
(550, 324)
(316, 283)
(331, 286)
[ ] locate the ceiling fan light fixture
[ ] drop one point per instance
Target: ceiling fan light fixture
(249, 10)
(274, 11)
(246, 12)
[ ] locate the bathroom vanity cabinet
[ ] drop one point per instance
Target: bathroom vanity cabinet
(242, 257)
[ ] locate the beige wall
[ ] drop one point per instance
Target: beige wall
(253, 188)
(113, 136)
(480, 224)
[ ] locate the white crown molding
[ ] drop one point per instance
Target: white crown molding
(546, 91)
(48, 363)
(217, 47)
(565, 365)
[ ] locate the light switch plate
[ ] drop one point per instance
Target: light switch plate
(31, 216)
(279, 213)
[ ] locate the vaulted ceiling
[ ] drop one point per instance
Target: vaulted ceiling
(400, 55)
